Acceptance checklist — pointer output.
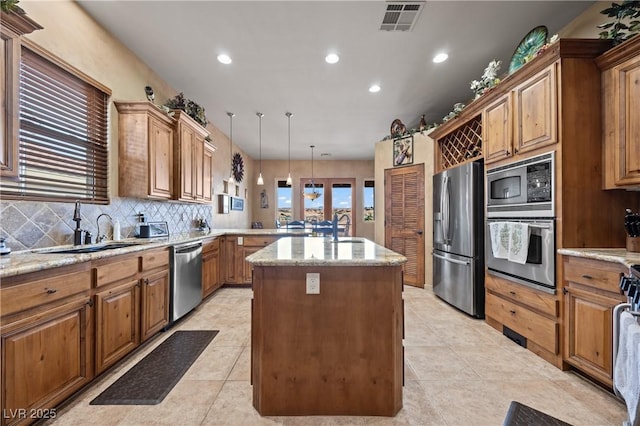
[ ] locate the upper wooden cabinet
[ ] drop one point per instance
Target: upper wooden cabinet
(497, 128)
(146, 138)
(190, 157)
(13, 26)
(621, 114)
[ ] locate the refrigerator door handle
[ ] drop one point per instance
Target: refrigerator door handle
(445, 211)
(459, 262)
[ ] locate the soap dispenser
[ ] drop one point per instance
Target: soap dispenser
(3, 248)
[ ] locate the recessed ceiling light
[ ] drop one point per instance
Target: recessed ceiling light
(224, 59)
(374, 88)
(332, 58)
(440, 57)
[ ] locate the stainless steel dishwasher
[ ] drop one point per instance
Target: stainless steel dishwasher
(186, 278)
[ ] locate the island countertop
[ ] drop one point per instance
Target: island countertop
(322, 251)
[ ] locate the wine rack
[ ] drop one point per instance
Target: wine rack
(460, 145)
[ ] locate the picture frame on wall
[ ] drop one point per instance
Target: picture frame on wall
(237, 203)
(223, 203)
(403, 151)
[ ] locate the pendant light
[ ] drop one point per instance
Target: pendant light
(313, 194)
(289, 180)
(260, 115)
(231, 115)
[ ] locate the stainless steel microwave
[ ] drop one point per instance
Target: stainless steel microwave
(524, 188)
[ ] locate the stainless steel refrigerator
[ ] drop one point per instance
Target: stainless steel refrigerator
(458, 237)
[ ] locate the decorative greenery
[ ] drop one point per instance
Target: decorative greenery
(489, 79)
(9, 5)
(457, 109)
(617, 30)
(192, 109)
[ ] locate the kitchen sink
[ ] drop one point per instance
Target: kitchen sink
(93, 249)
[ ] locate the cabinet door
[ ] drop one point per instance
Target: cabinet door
(155, 303)
(588, 334)
(627, 143)
(10, 53)
(497, 130)
(187, 147)
(198, 167)
(247, 268)
(207, 174)
(160, 159)
(210, 268)
(230, 255)
(536, 115)
(117, 323)
(45, 358)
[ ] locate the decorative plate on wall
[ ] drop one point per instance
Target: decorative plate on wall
(528, 47)
(237, 167)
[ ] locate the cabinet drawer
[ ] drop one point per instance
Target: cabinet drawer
(593, 273)
(155, 259)
(30, 294)
(211, 246)
(259, 241)
(543, 302)
(116, 270)
(535, 327)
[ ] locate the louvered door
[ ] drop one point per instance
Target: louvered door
(404, 219)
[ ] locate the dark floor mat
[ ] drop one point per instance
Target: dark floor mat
(151, 379)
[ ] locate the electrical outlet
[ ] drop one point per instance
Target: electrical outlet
(313, 283)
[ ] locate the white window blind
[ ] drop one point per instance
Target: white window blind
(62, 152)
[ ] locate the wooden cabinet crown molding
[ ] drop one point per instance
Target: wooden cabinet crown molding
(618, 54)
(18, 23)
(130, 107)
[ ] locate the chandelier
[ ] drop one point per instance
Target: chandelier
(313, 193)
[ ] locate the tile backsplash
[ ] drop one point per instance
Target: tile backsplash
(29, 224)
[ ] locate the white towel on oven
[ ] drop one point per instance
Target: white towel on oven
(626, 374)
(518, 242)
(499, 232)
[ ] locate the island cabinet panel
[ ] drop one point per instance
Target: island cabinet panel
(591, 292)
(46, 339)
(621, 104)
(338, 352)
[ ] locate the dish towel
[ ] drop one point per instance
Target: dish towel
(626, 373)
(518, 242)
(499, 232)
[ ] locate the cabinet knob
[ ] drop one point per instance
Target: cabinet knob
(146, 281)
(564, 290)
(587, 277)
(513, 293)
(51, 291)
(513, 312)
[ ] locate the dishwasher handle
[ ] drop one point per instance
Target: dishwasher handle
(187, 248)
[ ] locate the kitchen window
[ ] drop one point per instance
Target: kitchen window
(62, 136)
(368, 201)
(284, 203)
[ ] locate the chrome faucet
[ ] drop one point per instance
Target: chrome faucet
(99, 237)
(77, 233)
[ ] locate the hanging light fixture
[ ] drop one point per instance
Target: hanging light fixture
(313, 193)
(260, 115)
(231, 115)
(289, 180)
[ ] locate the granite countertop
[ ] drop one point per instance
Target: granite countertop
(322, 251)
(22, 262)
(618, 255)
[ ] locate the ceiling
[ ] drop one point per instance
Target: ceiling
(278, 50)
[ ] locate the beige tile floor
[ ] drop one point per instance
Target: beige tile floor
(459, 371)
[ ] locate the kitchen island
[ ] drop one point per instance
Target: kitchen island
(326, 328)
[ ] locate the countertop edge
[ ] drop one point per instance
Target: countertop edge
(615, 255)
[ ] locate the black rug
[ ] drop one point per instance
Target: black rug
(151, 379)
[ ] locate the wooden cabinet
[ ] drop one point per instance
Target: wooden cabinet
(14, 25)
(145, 153)
(132, 303)
(524, 119)
(252, 244)
(236, 249)
(207, 173)
(46, 333)
(231, 256)
(590, 293)
(531, 313)
(210, 266)
(154, 308)
(621, 114)
(190, 152)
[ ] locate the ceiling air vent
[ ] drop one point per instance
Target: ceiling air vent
(401, 15)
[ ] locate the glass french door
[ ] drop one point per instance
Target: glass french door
(337, 196)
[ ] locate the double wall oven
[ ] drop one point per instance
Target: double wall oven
(524, 191)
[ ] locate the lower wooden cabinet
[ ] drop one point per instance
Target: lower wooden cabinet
(47, 347)
(154, 314)
(590, 293)
(210, 266)
(533, 314)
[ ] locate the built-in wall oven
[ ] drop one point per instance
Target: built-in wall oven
(524, 192)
